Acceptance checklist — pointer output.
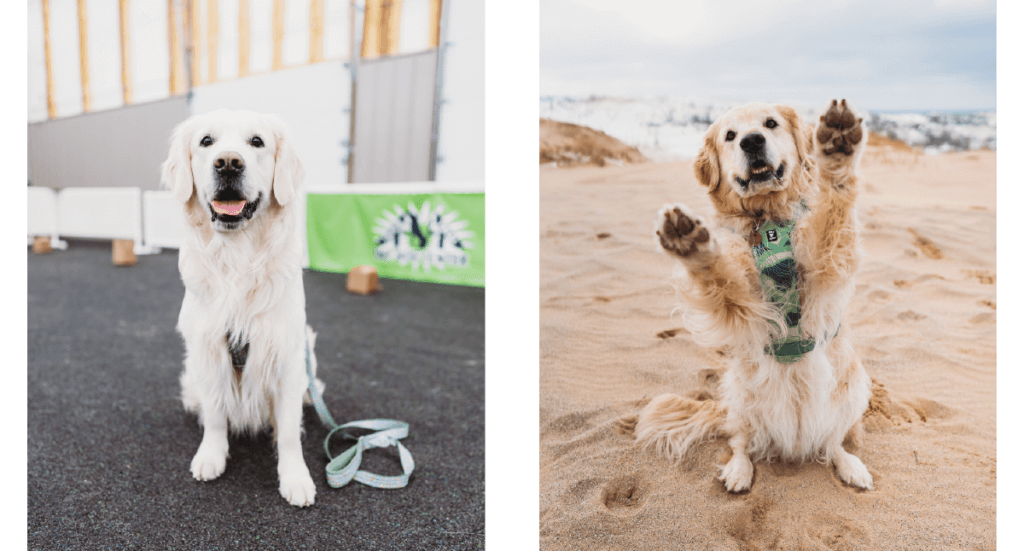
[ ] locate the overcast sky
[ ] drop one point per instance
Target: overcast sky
(881, 54)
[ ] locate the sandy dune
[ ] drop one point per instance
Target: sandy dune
(924, 320)
(564, 144)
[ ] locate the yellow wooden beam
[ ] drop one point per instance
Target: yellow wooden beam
(126, 67)
(83, 55)
(192, 41)
(51, 102)
(212, 35)
(371, 28)
(174, 45)
(390, 26)
(243, 38)
(435, 22)
(316, 31)
(279, 35)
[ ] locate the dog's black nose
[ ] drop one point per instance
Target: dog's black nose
(752, 143)
(229, 161)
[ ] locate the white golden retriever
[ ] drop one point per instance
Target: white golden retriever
(762, 165)
(244, 315)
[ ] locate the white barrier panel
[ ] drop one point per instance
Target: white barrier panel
(42, 211)
(163, 220)
(42, 215)
(401, 188)
(101, 213)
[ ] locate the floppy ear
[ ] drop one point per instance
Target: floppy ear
(288, 171)
(801, 135)
(176, 171)
(706, 165)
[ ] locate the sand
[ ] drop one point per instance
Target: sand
(924, 321)
(564, 144)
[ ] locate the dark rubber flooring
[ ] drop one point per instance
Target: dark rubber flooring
(109, 444)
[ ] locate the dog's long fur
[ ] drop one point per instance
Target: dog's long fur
(769, 410)
(243, 281)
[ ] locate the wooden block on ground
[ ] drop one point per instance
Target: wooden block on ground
(41, 244)
(362, 280)
(124, 253)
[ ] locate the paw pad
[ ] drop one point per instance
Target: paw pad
(839, 129)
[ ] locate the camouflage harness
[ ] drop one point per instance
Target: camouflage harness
(772, 246)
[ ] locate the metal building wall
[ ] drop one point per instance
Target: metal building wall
(394, 111)
(121, 147)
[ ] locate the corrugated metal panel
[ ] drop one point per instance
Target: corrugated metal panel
(394, 110)
(121, 147)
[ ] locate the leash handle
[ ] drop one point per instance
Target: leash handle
(344, 468)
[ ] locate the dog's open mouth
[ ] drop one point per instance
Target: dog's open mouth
(231, 208)
(760, 171)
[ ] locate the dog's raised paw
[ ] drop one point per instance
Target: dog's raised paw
(839, 129)
(683, 234)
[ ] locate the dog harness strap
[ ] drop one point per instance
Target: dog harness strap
(239, 353)
(344, 468)
(777, 271)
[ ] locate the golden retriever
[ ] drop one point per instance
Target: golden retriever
(762, 165)
(243, 318)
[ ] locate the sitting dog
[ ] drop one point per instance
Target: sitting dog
(770, 285)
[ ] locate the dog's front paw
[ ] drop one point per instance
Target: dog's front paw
(683, 234)
(852, 471)
(297, 487)
(208, 463)
(839, 129)
(738, 473)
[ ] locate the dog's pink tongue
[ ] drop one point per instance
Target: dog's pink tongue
(231, 208)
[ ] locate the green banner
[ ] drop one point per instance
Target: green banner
(436, 237)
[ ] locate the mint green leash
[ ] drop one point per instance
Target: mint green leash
(345, 467)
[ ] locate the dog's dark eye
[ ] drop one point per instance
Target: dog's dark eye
(207, 141)
(730, 136)
(256, 141)
(770, 123)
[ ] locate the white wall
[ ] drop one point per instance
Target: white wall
(312, 100)
(461, 140)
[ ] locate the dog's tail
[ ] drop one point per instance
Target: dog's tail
(671, 424)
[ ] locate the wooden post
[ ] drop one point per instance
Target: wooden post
(212, 36)
(83, 56)
(435, 22)
(51, 100)
(278, 60)
(126, 68)
(316, 31)
(243, 38)
(174, 45)
(371, 28)
(390, 23)
(192, 44)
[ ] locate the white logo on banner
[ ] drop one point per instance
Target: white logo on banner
(422, 237)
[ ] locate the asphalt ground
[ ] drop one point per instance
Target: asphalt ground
(109, 444)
